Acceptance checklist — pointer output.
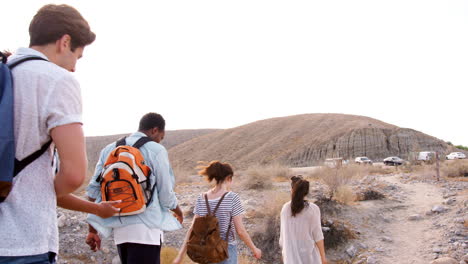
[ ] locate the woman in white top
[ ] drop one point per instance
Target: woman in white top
(301, 237)
(229, 212)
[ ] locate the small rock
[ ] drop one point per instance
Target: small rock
(438, 209)
(450, 201)
(325, 229)
(351, 251)
(371, 260)
(415, 217)
(437, 250)
(105, 250)
(387, 239)
(444, 260)
(61, 221)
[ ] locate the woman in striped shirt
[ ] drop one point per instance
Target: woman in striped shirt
(229, 212)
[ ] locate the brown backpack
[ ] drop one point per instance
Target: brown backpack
(205, 244)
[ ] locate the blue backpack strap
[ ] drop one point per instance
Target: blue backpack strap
(8, 162)
(21, 164)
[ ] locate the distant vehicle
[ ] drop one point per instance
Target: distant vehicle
(393, 161)
(363, 160)
(455, 155)
(426, 155)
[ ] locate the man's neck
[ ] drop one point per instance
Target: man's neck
(48, 50)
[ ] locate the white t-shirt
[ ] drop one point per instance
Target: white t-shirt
(138, 233)
(46, 96)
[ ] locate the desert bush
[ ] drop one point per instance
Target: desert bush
(266, 235)
(260, 177)
(370, 195)
(337, 233)
(457, 168)
(334, 178)
(377, 170)
(345, 195)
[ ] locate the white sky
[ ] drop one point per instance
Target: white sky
(221, 64)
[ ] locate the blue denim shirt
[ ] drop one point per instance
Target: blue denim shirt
(157, 214)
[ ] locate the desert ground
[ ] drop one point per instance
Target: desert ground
(370, 214)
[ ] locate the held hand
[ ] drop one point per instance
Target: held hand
(106, 209)
(94, 241)
(257, 253)
(179, 218)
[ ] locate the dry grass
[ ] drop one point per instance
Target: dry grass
(168, 254)
(456, 168)
(335, 178)
(339, 233)
(261, 177)
(345, 195)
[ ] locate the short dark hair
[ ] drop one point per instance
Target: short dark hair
(51, 22)
(152, 120)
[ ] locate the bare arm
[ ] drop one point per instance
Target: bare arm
(244, 236)
(321, 248)
(70, 143)
(183, 248)
(72, 202)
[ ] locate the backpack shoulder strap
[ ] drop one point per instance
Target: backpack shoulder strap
(15, 63)
(219, 203)
(121, 142)
(207, 204)
(21, 164)
(140, 142)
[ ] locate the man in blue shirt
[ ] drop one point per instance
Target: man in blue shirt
(139, 237)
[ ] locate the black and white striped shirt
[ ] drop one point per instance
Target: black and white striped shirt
(230, 206)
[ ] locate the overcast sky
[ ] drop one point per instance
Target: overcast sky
(221, 64)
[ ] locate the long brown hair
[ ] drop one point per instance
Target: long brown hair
(300, 189)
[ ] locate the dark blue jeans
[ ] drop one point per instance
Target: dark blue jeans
(46, 258)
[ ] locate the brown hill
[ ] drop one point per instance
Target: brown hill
(304, 140)
(94, 145)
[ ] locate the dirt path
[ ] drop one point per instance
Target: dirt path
(408, 241)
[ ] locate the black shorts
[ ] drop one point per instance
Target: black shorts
(132, 253)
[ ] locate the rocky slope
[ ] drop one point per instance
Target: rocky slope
(305, 140)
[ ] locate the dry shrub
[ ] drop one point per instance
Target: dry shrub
(456, 168)
(168, 254)
(261, 177)
(266, 235)
(338, 233)
(345, 195)
(370, 195)
(334, 178)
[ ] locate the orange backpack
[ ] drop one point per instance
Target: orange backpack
(125, 177)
